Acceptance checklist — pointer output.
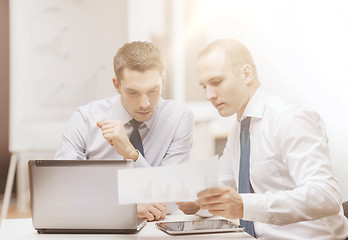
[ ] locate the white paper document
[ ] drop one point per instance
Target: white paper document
(175, 183)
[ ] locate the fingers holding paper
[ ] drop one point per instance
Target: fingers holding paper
(152, 211)
(188, 207)
(222, 201)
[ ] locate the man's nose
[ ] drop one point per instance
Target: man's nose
(210, 94)
(144, 101)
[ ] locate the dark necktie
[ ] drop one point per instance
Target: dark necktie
(244, 180)
(135, 138)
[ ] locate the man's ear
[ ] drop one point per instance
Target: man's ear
(116, 84)
(162, 85)
(247, 73)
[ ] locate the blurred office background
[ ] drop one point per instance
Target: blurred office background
(57, 55)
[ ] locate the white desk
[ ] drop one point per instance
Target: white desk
(22, 229)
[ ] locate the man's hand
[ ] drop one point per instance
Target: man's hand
(222, 201)
(115, 134)
(188, 207)
(152, 211)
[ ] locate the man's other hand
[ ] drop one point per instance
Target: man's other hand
(115, 134)
(152, 211)
(188, 207)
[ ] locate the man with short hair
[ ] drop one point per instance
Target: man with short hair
(160, 130)
(276, 166)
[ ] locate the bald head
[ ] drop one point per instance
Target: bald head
(235, 52)
(227, 73)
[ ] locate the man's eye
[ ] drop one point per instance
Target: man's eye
(153, 91)
(217, 82)
(132, 93)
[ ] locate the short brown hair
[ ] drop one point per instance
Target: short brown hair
(138, 56)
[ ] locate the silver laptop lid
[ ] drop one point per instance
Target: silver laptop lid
(74, 194)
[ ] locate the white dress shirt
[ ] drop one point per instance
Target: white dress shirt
(296, 194)
(166, 137)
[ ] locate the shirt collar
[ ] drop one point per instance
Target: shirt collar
(120, 113)
(256, 106)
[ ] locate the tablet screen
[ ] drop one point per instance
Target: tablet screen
(199, 226)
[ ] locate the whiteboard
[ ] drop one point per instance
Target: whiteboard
(61, 57)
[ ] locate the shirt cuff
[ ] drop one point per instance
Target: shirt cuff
(254, 207)
(141, 162)
(171, 207)
(204, 213)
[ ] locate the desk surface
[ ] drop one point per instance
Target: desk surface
(22, 229)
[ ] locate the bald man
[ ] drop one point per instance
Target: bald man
(291, 192)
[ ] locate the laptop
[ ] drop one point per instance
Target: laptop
(79, 196)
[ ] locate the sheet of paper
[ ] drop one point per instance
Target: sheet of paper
(175, 183)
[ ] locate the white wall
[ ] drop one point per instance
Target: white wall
(143, 23)
(300, 49)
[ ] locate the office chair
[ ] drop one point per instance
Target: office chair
(345, 208)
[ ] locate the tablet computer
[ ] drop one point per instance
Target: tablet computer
(199, 226)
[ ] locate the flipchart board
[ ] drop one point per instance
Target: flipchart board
(61, 54)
